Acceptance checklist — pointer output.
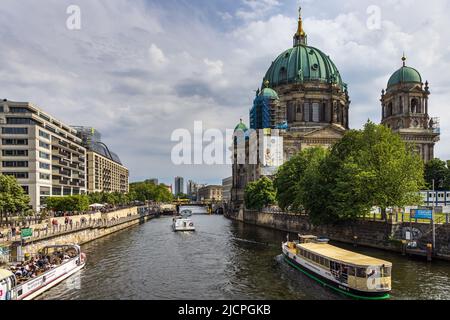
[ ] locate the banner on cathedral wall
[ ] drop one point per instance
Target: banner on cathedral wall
(272, 154)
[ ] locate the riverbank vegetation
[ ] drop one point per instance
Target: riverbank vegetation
(367, 168)
(12, 197)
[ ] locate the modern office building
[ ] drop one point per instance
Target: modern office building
(179, 185)
(210, 193)
(105, 171)
(44, 154)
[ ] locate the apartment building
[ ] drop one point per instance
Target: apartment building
(44, 154)
(105, 171)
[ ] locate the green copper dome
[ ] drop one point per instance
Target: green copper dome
(241, 126)
(405, 75)
(302, 64)
(269, 93)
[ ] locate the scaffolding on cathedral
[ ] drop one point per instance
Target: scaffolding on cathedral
(260, 117)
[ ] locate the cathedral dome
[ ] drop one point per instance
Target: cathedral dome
(241, 126)
(302, 64)
(405, 75)
(269, 93)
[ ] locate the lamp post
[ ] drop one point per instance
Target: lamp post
(432, 219)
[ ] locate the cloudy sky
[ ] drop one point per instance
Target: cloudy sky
(139, 69)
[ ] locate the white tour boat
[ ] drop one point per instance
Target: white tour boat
(16, 288)
(182, 224)
(352, 274)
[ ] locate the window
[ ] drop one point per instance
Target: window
(307, 113)
(44, 176)
(15, 164)
(26, 189)
(44, 134)
(45, 191)
(17, 175)
(45, 166)
(18, 110)
(44, 155)
(283, 74)
(315, 112)
(44, 117)
(15, 130)
(361, 273)
(15, 153)
(14, 142)
(2, 109)
(20, 121)
(44, 145)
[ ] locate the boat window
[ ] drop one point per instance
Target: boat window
(322, 261)
(387, 271)
(351, 271)
(361, 272)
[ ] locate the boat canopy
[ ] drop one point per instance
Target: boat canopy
(342, 255)
(5, 274)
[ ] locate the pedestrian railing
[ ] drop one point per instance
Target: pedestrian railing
(54, 230)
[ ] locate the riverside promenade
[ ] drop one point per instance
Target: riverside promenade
(82, 229)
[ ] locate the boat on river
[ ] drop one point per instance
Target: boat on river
(180, 223)
(349, 273)
(65, 261)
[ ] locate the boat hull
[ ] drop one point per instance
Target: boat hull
(347, 291)
(33, 288)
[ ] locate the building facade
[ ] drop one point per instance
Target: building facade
(44, 154)
(179, 185)
(303, 99)
(405, 110)
(227, 184)
(210, 193)
(106, 175)
(105, 171)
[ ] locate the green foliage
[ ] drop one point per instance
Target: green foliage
(182, 196)
(114, 198)
(12, 196)
(367, 168)
(143, 191)
(293, 179)
(439, 171)
(260, 194)
(77, 203)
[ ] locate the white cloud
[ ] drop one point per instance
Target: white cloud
(137, 76)
(157, 56)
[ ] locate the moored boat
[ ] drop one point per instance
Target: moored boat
(349, 273)
(62, 261)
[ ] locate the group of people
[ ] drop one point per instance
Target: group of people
(40, 264)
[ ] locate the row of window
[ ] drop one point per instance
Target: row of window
(17, 175)
(15, 164)
(15, 142)
(15, 153)
(12, 130)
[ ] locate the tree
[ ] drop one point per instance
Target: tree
(78, 203)
(438, 171)
(290, 182)
(367, 168)
(12, 197)
(259, 194)
(143, 191)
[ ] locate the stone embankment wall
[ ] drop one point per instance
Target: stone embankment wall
(369, 233)
(110, 223)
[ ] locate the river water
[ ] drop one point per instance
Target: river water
(223, 260)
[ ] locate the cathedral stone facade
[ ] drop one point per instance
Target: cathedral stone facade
(304, 99)
(405, 110)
